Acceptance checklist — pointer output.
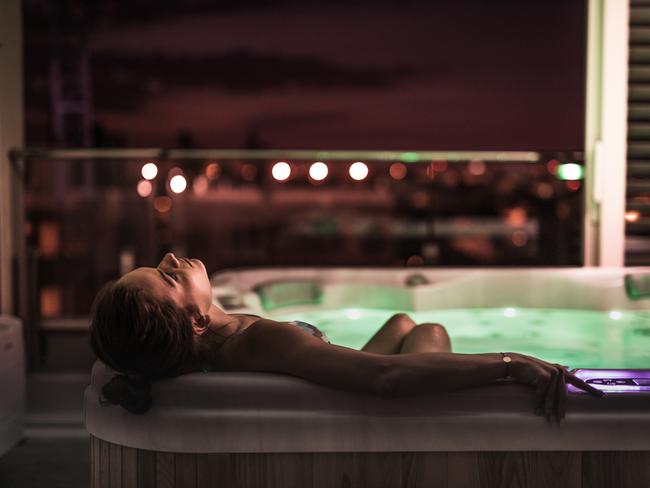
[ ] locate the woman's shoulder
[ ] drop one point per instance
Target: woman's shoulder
(264, 339)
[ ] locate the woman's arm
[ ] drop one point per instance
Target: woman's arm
(276, 347)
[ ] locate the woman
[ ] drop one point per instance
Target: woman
(160, 322)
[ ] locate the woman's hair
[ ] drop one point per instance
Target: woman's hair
(143, 338)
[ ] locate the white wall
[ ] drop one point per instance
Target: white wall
(11, 135)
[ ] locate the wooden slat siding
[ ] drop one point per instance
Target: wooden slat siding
(637, 468)
(216, 470)
(598, 470)
(553, 469)
(290, 469)
(424, 470)
(463, 470)
(616, 469)
(332, 469)
(165, 469)
(129, 467)
(146, 468)
(185, 470)
(115, 463)
(204, 477)
(377, 469)
(104, 465)
(273, 470)
(94, 462)
(530, 469)
(249, 469)
(502, 469)
(534, 469)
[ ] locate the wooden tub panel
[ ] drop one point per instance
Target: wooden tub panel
(129, 467)
(146, 468)
(620, 469)
(186, 470)
(115, 466)
(419, 469)
(165, 470)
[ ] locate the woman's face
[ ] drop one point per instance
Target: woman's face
(181, 280)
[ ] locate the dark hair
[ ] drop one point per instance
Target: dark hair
(143, 338)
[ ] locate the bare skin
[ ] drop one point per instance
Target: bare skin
(402, 358)
(401, 335)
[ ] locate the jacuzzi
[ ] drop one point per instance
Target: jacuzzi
(262, 429)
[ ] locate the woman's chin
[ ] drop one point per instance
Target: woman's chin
(194, 260)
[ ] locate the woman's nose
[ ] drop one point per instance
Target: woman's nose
(170, 260)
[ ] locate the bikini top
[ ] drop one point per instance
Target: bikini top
(309, 328)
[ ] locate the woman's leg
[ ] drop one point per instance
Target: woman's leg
(426, 338)
(388, 339)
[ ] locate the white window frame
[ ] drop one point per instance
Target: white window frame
(606, 133)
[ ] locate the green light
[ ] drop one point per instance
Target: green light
(569, 171)
(353, 314)
(410, 157)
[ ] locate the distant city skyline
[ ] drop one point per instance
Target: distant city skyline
(502, 75)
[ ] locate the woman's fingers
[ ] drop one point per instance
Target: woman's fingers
(577, 382)
(561, 396)
(550, 401)
(550, 382)
(540, 395)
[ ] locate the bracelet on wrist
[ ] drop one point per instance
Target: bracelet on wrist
(506, 358)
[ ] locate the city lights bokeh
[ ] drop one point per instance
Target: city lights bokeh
(318, 171)
(281, 171)
(358, 171)
(162, 204)
(149, 171)
(212, 171)
(178, 183)
(569, 171)
(249, 172)
(144, 188)
(476, 167)
(397, 171)
(200, 185)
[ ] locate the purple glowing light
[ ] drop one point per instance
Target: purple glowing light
(614, 380)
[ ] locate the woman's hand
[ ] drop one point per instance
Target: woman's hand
(550, 382)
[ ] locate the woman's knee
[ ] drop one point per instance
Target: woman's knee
(428, 337)
(428, 328)
(402, 321)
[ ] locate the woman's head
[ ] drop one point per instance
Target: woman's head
(148, 324)
(184, 282)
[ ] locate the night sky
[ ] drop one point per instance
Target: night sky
(340, 75)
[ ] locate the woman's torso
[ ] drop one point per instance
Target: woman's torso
(246, 320)
(243, 321)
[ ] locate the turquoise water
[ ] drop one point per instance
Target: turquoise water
(575, 338)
